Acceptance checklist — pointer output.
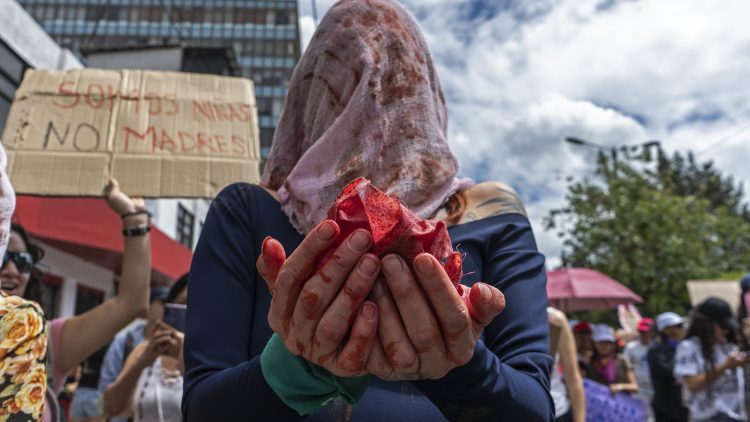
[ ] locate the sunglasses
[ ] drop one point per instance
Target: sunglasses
(23, 261)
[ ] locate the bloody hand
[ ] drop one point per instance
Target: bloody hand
(323, 315)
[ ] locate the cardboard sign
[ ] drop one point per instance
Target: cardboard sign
(700, 290)
(160, 134)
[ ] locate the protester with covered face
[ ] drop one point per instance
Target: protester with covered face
(667, 401)
(709, 364)
(364, 101)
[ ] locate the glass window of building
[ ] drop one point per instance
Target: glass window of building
(185, 222)
(263, 34)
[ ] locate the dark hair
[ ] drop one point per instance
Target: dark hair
(34, 287)
(741, 315)
(177, 288)
(702, 327)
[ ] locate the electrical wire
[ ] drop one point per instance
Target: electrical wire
(717, 143)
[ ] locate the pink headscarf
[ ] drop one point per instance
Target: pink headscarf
(364, 101)
(7, 203)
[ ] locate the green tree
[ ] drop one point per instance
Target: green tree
(654, 224)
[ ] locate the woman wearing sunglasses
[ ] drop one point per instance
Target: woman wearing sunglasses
(72, 340)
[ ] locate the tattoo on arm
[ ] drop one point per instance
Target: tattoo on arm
(470, 216)
(506, 202)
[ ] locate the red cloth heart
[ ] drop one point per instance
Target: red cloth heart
(394, 228)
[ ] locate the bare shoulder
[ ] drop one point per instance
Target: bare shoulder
(556, 317)
(488, 199)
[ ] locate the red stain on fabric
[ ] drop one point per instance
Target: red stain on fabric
(394, 228)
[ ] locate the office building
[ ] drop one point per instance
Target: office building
(80, 236)
(264, 36)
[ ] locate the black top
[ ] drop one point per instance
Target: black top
(667, 391)
(227, 326)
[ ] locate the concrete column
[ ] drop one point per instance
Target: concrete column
(68, 291)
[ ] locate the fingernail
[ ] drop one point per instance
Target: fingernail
(360, 240)
(424, 265)
(326, 231)
(378, 289)
(368, 311)
(391, 264)
(485, 294)
(263, 246)
(368, 265)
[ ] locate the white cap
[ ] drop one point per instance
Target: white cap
(668, 319)
(602, 332)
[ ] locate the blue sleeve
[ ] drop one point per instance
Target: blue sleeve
(223, 380)
(509, 373)
(113, 361)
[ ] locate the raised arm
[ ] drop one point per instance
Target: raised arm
(571, 371)
(84, 334)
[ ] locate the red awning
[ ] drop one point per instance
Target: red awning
(89, 229)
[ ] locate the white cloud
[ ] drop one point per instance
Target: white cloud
(607, 71)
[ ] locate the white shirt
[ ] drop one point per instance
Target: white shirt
(725, 395)
(158, 395)
(558, 390)
(637, 354)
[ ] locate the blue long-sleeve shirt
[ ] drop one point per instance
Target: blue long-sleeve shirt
(227, 327)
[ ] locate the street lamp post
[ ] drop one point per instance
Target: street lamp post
(612, 149)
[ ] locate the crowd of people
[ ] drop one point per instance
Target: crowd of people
(679, 368)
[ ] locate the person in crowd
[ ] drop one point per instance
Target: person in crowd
(85, 404)
(23, 377)
(566, 383)
(72, 340)
(709, 364)
(584, 345)
(636, 351)
(364, 101)
(667, 400)
(149, 387)
(127, 340)
(23, 328)
(743, 334)
(607, 366)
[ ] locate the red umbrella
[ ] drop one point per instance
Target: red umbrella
(581, 289)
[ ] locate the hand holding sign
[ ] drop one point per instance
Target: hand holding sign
(120, 202)
(161, 134)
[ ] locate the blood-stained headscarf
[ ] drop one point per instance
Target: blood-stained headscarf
(7, 203)
(364, 101)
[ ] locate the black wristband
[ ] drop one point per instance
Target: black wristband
(136, 231)
(130, 214)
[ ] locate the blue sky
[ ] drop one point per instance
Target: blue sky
(520, 75)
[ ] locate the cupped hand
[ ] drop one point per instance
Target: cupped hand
(323, 315)
(119, 201)
(426, 328)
